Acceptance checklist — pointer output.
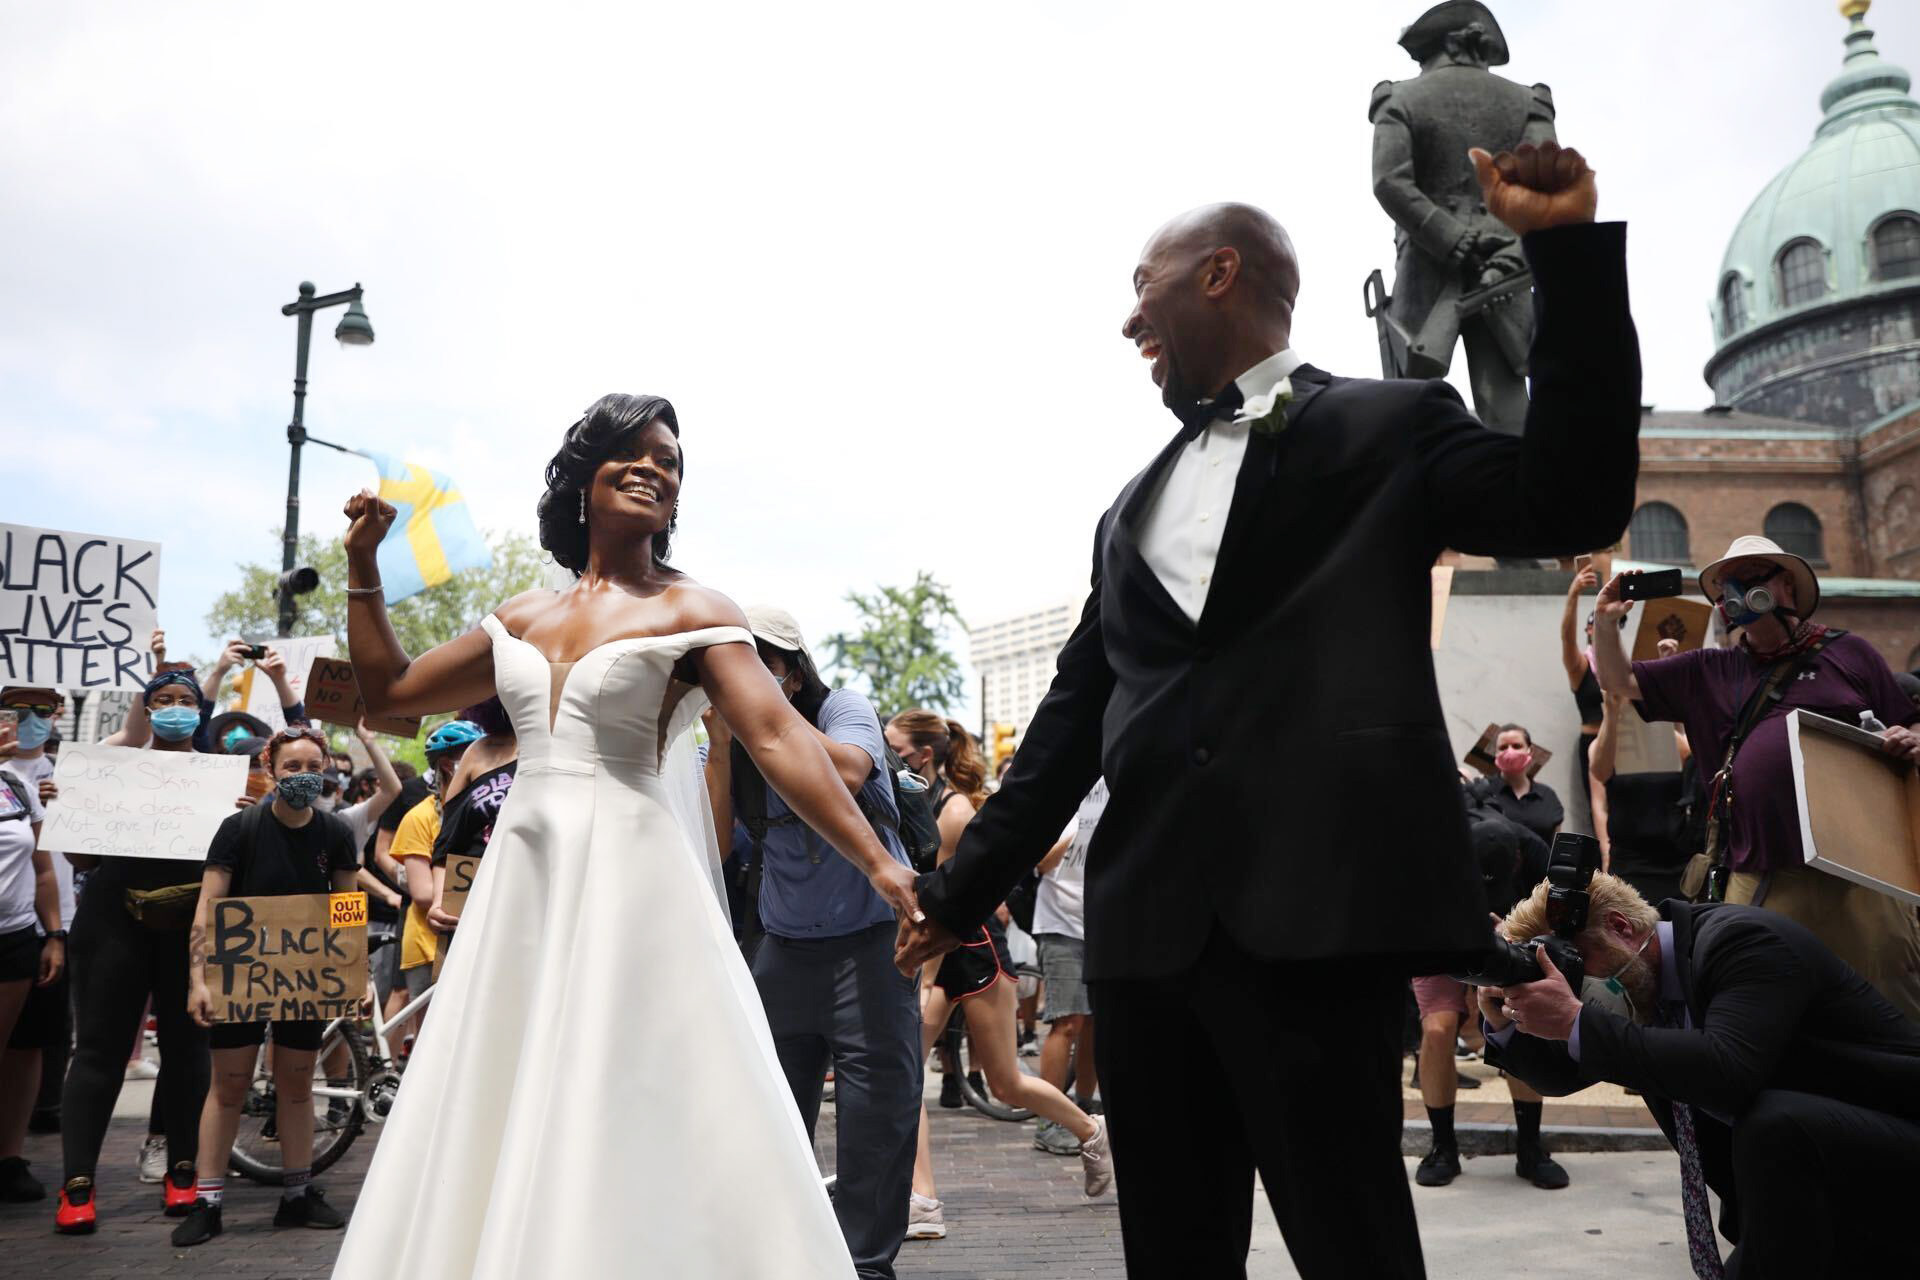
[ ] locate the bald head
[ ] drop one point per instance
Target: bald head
(1267, 262)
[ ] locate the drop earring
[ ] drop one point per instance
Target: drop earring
(583, 506)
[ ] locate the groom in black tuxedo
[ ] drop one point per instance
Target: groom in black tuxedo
(1251, 674)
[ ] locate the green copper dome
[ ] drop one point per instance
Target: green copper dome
(1843, 220)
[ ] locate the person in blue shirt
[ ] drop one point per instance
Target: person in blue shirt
(824, 963)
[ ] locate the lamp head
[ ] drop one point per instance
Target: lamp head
(354, 329)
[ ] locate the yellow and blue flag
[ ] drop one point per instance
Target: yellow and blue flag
(433, 537)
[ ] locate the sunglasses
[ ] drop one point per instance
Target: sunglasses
(45, 710)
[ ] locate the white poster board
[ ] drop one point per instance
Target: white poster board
(77, 610)
(122, 802)
(263, 699)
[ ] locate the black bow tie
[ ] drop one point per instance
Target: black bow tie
(1196, 414)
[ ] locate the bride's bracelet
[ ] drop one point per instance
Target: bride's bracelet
(373, 590)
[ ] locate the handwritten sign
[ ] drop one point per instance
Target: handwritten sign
(262, 699)
(285, 958)
(453, 900)
(121, 802)
(77, 610)
(333, 694)
(1674, 618)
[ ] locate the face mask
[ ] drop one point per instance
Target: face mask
(1513, 759)
(1610, 993)
(1742, 605)
(300, 789)
(174, 723)
(326, 804)
(34, 731)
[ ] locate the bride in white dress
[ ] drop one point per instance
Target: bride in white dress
(595, 1092)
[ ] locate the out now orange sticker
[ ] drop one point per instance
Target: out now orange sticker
(345, 910)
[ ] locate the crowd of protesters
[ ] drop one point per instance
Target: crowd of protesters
(90, 947)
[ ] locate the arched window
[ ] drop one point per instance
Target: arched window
(1803, 273)
(1733, 304)
(1797, 530)
(1896, 247)
(1658, 532)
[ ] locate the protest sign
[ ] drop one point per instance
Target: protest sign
(1480, 754)
(333, 695)
(1442, 588)
(1640, 746)
(453, 900)
(77, 610)
(1859, 807)
(259, 696)
(1673, 618)
(121, 802)
(297, 957)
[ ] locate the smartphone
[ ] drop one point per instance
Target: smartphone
(1650, 586)
(256, 653)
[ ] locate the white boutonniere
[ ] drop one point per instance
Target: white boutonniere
(1267, 414)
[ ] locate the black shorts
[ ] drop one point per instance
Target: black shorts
(44, 1021)
(20, 954)
(304, 1034)
(974, 965)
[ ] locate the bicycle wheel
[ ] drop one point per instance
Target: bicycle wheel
(979, 1099)
(337, 1119)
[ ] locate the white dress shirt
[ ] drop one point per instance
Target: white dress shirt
(1180, 532)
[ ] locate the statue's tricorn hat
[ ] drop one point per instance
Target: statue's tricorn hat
(1424, 37)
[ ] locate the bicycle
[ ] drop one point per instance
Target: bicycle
(363, 1095)
(953, 1039)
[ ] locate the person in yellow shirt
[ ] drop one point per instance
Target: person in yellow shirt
(412, 848)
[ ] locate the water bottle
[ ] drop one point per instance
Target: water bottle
(1871, 723)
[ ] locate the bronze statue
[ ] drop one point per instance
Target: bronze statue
(1459, 273)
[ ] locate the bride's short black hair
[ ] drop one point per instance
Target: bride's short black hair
(590, 442)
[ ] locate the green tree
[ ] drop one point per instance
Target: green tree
(434, 616)
(899, 651)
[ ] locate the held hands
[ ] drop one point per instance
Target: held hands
(1536, 186)
(1546, 1009)
(370, 518)
(919, 942)
(895, 883)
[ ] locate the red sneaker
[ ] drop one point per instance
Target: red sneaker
(177, 1189)
(73, 1215)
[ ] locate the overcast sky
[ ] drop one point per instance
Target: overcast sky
(877, 254)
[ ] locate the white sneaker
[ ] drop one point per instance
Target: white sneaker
(145, 1069)
(1096, 1159)
(153, 1159)
(924, 1220)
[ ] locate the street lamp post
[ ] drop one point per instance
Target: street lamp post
(354, 330)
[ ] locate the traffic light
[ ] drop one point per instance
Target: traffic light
(1003, 743)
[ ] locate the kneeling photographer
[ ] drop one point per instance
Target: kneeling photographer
(1785, 1082)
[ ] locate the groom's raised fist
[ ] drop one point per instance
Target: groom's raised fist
(1533, 187)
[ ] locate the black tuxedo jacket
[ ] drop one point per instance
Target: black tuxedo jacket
(1772, 1008)
(1240, 751)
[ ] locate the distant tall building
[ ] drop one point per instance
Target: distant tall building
(1015, 658)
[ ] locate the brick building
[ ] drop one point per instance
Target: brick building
(1814, 438)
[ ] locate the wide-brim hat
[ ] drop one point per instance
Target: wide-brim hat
(777, 627)
(1437, 23)
(1806, 586)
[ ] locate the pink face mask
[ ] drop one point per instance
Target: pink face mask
(1513, 759)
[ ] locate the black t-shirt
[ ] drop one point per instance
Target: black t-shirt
(1539, 811)
(466, 824)
(1646, 822)
(412, 791)
(266, 858)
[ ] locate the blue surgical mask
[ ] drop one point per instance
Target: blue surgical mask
(300, 789)
(174, 723)
(34, 731)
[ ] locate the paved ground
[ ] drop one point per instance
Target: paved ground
(1014, 1212)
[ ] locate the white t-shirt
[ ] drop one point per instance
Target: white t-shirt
(1060, 906)
(355, 816)
(16, 852)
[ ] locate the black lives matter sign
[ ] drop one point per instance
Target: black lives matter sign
(77, 610)
(298, 957)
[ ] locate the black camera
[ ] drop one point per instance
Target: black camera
(1570, 868)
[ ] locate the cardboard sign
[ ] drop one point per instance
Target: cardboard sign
(333, 694)
(1480, 754)
(453, 900)
(1442, 590)
(260, 698)
(77, 610)
(286, 958)
(1859, 807)
(127, 803)
(1640, 746)
(1674, 618)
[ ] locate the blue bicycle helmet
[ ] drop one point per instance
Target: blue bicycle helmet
(452, 734)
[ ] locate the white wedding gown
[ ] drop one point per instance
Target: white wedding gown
(595, 1092)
